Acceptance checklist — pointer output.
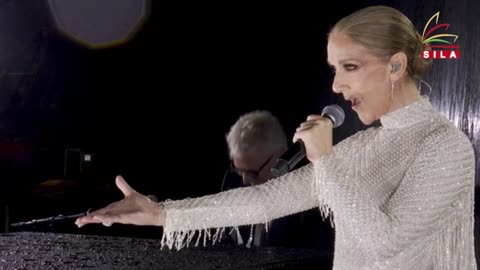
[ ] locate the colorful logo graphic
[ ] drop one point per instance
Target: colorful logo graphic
(440, 48)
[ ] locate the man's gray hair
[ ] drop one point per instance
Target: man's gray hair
(258, 131)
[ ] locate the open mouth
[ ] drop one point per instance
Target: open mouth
(355, 102)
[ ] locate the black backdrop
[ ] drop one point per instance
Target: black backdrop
(157, 108)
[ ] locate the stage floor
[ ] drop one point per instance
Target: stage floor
(40, 250)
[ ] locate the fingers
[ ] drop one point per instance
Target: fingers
(123, 186)
(103, 215)
(312, 121)
(110, 214)
(106, 220)
(99, 216)
(90, 218)
(303, 127)
(313, 117)
(307, 125)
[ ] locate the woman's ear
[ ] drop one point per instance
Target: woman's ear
(398, 66)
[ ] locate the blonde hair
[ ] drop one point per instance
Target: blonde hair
(258, 131)
(386, 31)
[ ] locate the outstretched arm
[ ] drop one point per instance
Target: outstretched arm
(286, 195)
(135, 209)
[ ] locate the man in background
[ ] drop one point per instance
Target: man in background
(255, 142)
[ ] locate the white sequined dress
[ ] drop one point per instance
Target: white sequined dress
(400, 196)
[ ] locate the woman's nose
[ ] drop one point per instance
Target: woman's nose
(337, 86)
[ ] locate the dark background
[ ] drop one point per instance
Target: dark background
(156, 109)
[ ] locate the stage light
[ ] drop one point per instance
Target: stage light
(99, 24)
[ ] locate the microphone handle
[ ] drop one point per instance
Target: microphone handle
(296, 153)
(289, 159)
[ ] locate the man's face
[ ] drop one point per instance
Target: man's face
(254, 168)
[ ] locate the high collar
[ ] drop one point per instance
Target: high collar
(415, 112)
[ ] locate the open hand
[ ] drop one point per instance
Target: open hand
(135, 208)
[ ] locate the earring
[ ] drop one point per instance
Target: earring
(392, 89)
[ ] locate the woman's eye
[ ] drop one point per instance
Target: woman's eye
(349, 67)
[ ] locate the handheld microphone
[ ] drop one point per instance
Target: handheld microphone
(297, 152)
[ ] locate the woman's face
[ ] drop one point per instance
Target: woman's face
(360, 77)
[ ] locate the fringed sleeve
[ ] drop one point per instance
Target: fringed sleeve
(193, 219)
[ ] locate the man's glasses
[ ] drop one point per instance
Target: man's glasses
(250, 173)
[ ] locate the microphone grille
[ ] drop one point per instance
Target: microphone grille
(335, 113)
